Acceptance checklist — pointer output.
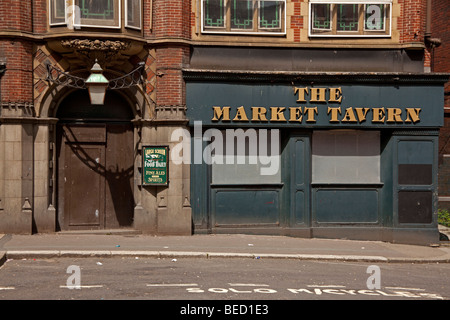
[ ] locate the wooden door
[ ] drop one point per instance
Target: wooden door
(119, 176)
(96, 170)
(82, 177)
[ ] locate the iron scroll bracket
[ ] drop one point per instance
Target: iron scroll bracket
(129, 80)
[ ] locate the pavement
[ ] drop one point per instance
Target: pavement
(129, 244)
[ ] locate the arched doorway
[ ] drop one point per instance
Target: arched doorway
(95, 156)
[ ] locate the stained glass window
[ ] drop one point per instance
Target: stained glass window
(348, 18)
(321, 16)
(101, 13)
(243, 16)
(270, 14)
(374, 17)
(96, 13)
(214, 13)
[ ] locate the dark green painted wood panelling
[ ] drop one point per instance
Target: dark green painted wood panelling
(245, 207)
(346, 206)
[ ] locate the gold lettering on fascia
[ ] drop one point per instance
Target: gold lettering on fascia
(308, 114)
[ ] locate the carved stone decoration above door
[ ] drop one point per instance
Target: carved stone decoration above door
(84, 52)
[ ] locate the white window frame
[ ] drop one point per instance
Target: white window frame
(387, 33)
(140, 16)
(52, 8)
(119, 18)
(219, 30)
(71, 20)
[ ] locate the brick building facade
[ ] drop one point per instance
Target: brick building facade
(68, 165)
(440, 31)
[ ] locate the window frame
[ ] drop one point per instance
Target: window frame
(52, 14)
(117, 23)
(256, 30)
(118, 17)
(127, 25)
(362, 31)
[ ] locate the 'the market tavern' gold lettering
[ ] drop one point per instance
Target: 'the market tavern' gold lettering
(309, 114)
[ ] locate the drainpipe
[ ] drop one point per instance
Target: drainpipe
(2, 72)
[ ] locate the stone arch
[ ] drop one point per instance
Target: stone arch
(45, 202)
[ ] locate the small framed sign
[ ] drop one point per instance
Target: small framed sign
(155, 165)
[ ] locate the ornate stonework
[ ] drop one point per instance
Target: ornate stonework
(107, 52)
(95, 45)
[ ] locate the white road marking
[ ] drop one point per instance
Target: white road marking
(172, 285)
(248, 285)
(83, 287)
(325, 286)
(401, 288)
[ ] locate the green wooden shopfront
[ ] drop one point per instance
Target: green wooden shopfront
(358, 154)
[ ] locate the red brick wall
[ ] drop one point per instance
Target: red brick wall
(411, 23)
(40, 18)
(440, 28)
(297, 20)
(15, 15)
(171, 20)
(17, 82)
(440, 62)
(170, 84)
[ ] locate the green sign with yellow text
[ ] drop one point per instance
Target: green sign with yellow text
(155, 168)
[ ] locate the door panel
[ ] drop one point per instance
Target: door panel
(119, 176)
(84, 185)
(300, 186)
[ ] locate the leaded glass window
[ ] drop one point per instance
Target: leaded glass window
(321, 17)
(270, 14)
(95, 13)
(243, 16)
(349, 18)
(214, 13)
(374, 17)
(99, 13)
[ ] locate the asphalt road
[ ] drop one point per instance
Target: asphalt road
(219, 279)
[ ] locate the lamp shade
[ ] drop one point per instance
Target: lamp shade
(97, 84)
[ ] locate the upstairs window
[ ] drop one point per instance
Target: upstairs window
(99, 13)
(350, 18)
(243, 16)
(96, 13)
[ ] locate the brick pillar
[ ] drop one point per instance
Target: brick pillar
(411, 24)
(166, 210)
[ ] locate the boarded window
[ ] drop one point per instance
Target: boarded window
(244, 157)
(346, 157)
